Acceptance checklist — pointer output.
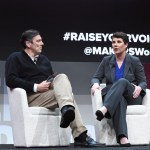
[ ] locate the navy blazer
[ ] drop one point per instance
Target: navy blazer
(133, 72)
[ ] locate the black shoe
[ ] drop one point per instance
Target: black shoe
(125, 145)
(68, 115)
(99, 115)
(89, 142)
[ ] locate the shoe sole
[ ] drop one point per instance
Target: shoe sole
(82, 145)
(68, 117)
(125, 145)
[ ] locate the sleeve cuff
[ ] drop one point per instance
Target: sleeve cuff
(35, 88)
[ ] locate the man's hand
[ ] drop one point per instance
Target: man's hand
(95, 87)
(44, 86)
(137, 91)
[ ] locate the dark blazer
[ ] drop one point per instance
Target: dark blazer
(133, 72)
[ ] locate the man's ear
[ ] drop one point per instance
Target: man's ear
(126, 45)
(28, 44)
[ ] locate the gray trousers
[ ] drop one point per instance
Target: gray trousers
(59, 96)
(116, 100)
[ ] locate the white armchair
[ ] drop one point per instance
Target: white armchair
(35, 126)
(138, 122)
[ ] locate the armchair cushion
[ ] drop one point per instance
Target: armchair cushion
(44, 111)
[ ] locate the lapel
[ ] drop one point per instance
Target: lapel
(112, 64)
(127, 65)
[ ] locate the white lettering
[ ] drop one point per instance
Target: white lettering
(142, 38)
(135, 38)
(81, 37)
(131, 51)
(110, 37)
(91, 37)
(74, 36)
(105, 51)
(105, 36)
(96, 50)
(146, 52)
(98, 37)
(139, 51)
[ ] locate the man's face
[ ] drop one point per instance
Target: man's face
(36, 45)
(118, 45)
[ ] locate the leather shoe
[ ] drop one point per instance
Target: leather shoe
(99, 115)
(125, 145)
(89, 142)
(68, 115)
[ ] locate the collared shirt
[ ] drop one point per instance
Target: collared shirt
(34, 59)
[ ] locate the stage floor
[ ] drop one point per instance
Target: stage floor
(71, 147)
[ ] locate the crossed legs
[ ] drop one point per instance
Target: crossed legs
(114, 106)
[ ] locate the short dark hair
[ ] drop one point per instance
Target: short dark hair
(121, 35)
(28, 35)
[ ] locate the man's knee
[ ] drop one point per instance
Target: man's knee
(61, 77)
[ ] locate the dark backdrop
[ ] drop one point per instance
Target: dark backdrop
(53, 18)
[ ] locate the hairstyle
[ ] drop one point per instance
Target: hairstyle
(28, 35)
(121, 35)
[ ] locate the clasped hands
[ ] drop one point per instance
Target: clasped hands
(44, 86)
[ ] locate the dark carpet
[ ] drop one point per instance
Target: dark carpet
(71, 147)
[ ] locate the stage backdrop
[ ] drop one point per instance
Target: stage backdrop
(76, 30)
